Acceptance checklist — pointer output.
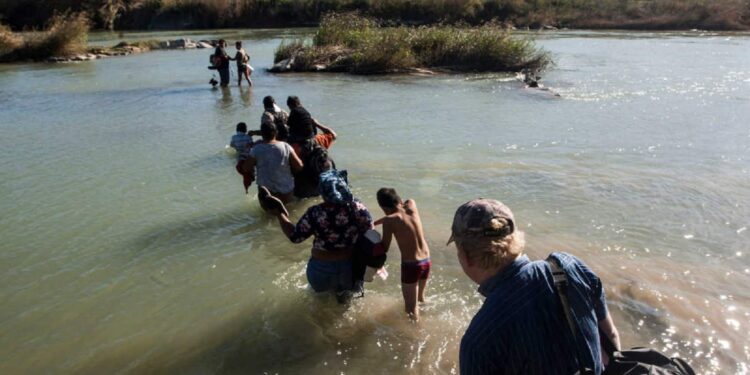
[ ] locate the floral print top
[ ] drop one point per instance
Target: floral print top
(335, 226)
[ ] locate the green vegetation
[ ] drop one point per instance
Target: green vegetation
(348, 42)
(66, 34)
(191, 14)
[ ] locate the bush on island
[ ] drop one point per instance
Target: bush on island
(350, 42)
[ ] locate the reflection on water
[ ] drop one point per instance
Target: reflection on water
(130, 246)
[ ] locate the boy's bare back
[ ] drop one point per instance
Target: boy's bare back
(406, 226)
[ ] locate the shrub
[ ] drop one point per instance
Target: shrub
(286, 50)
(66, 34)
(368, 48)
(8, 40)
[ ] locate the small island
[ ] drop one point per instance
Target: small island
(348, 42)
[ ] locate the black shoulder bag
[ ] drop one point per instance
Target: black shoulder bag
(636, 361)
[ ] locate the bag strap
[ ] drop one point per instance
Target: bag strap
(561, 285)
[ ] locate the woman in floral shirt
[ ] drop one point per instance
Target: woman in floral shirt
(336, 224)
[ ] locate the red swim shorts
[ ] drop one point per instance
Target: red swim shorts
(411, 272)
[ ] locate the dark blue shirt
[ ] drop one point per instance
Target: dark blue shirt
(520, 328)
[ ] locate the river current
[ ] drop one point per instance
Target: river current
(127, 244)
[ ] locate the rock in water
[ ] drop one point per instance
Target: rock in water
(180, 43)
(282, 66)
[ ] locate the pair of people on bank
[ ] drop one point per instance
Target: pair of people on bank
(220, 61)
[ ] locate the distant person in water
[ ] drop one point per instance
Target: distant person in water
(310, 147)
(521, 327)
(244, 70)
(277, 116)
(303, 127)
(274, 161)
(402, 221)
(221, 63)
(301, 123)
(336, 224)
(242, 143)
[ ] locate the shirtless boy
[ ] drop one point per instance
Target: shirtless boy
(402, 221)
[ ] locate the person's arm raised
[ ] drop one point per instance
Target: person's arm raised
(324, 129)
(286, 225)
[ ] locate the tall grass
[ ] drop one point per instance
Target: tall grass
(368, 48)
(9, 41)
(66, 34)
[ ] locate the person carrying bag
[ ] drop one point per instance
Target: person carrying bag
(635, 361)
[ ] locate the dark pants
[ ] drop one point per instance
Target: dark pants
(329, 275)
(224, 75)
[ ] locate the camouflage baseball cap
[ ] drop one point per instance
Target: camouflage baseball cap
(474, 218)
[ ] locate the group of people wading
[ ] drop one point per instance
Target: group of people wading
(539, 317)
(291, 160)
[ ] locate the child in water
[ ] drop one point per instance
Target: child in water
(243, 64)
(402, 221)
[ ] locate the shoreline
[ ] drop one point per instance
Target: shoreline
(126, 48)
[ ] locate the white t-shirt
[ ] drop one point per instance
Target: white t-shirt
(273, 170)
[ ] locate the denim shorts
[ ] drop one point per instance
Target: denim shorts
(329, 276)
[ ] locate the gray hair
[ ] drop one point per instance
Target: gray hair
(492, 252)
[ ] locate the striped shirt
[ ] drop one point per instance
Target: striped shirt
(520, 328)
(242, 143)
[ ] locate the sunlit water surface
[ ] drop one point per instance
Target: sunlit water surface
(128, 244)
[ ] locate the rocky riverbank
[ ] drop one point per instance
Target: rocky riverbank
(129, 48)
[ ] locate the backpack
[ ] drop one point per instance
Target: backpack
(279, 119)
(636, 361)
(315, 160)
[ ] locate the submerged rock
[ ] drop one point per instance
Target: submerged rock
(282, 66)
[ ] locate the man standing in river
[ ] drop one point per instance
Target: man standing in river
(220, 54)
(520, 328)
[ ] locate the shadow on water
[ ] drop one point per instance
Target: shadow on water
(164, 239)
(225, 100)
(307, 334)
(222, 159)
(248, 223)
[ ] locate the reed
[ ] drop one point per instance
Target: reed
(9, 41)
(366, 48)
(66, 34)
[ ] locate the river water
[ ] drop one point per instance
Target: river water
(127, 244)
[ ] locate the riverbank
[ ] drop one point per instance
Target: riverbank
(354, 44)
(723, 15)
(66, 40)
(66, 35)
